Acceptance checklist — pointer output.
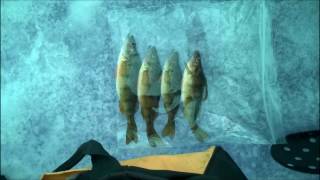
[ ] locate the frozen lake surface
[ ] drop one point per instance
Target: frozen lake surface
(58, 62)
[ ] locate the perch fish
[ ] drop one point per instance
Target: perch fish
(149, 93)
(126, 85)
(171, 91)
(194, 91)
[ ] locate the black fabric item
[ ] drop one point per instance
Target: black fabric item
(105, 167)
(222, 166)
(301, 153)
(102, 162)
(3, 177)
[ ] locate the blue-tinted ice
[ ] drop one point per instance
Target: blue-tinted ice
(58, 61)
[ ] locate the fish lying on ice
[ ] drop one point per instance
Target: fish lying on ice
(126, 84)
(171, 91)
(194, 91)
(149, 93)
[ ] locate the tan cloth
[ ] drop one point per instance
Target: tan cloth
(189, 162)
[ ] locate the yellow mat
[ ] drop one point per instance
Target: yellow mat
(195, 162)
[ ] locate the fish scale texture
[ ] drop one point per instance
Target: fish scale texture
(58, 63)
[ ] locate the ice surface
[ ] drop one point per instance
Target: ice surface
(295, 42)
(58, 61)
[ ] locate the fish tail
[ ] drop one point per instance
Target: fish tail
(172, 114)
(131, 129)
(131, 121)
(169, 129)
(149, 115)
(153, 137)
(200, 134)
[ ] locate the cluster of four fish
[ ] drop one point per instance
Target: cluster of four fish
(145, 83)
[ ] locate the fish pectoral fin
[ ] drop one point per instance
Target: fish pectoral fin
(174, 103)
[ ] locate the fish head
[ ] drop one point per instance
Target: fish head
(173, 61)
(130, 47)
(152, 59)
(194, 64)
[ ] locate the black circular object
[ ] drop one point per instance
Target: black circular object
(301, 153)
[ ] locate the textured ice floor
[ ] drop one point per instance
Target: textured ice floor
(58, 60)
